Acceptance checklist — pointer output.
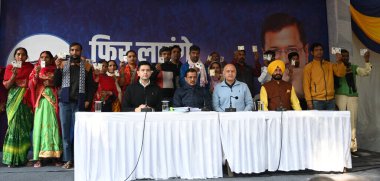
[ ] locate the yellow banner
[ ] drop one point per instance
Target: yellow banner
(369, 25)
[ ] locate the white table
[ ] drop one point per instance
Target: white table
(185, 145)
(254, 142)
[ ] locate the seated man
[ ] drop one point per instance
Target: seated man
(278, 94)
(231, 91)
(192, 95)
(142, 94)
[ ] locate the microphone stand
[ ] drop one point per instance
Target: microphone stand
(231, 109)
(146, 108)
(205, 108)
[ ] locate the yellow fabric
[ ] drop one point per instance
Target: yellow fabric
(369, 25)
(293, 99)
(264, 98)
(273, 65)
(318, 79)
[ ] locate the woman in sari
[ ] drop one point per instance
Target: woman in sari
(3, 114)
(113, 72)
(128, 72)
(47, 141)
(19, 110)
(107, 91)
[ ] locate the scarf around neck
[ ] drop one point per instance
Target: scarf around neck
(202, 70)
(65, 94)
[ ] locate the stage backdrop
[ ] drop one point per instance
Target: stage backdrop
(107, 29)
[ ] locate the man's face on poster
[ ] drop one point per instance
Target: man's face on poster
(285, 41)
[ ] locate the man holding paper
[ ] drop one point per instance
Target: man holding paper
(318, 80)
(75, 78)
(346, 91)
(164, 74)
(245, 72)
(196, 64)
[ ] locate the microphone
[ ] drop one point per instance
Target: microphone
(204, 106)
(231, 109)
(146, 108)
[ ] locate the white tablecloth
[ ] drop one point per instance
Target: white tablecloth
(185, 145)
(257, 141)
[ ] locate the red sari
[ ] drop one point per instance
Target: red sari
(37, 87)
(128, 77)
(21, 79)
(106, 83)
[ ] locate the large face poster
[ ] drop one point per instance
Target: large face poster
(108, 29)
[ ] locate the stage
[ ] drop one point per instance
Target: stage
(365, 167)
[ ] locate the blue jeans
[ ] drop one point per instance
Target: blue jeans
(324, 105)
(67, 116)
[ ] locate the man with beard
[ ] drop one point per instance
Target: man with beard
(346, 93)
(196, 64)
(74, 76)
(278, 94)
(244, 72)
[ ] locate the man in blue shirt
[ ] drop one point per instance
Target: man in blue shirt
(196, 64)
(230, 87)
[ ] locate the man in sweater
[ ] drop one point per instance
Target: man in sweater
(231, 92)
(144, 94)
(318, 79)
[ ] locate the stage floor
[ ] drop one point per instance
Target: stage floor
(365, 167)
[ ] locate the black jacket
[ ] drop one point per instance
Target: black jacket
(136, 94)
(188, 96)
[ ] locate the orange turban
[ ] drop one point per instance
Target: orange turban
(273, 65)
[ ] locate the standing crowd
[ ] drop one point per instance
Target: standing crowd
(44, 97)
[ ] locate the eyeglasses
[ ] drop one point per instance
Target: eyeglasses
(287, 50)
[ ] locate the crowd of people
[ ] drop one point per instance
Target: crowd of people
(44, 97)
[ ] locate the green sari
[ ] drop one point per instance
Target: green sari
(20, 120)
(47, 142)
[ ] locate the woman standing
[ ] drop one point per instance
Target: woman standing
(47, 142)
(128, 72)
(215, 73)
(107, 91)
(3, 114)
(113, 72)
(19, 112)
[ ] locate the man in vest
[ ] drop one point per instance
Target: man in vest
(278, 94)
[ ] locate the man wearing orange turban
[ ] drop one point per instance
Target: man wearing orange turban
(278, 94)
